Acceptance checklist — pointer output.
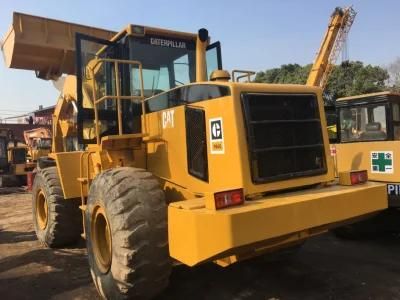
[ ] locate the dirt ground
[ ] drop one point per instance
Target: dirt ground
(324, 268)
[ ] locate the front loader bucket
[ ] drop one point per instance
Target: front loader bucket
(44, 45)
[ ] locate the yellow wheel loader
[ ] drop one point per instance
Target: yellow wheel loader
(13, 160)
(38, 141)
(157, 159)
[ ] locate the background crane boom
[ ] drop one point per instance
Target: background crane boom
(334, 39)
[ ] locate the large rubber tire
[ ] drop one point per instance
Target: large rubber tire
(350, 232)
(45, 162)
(385, 222)
(365, 229)
(128, 206)
(57, 222)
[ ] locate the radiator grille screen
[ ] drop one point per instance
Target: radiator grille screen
(284, 136)
(196, 143)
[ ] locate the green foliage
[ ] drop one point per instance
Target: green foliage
(348, 79)
(355, 78)
(291, 73)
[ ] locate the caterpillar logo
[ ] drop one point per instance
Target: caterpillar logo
(168, 119)
(167, 43)
(216, 136)
(216, 130)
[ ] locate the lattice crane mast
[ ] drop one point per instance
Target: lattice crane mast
(334, 39)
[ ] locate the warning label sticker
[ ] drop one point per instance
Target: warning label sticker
(382, 162)
(216, 136)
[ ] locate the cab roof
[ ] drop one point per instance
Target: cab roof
(358, 97)
(134, 29)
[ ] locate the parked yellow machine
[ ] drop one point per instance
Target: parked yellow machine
(369, 134)
(362, 138)
(170, 161)
(38, 141)
(13, 162)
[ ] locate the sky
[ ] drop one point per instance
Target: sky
(255, 35)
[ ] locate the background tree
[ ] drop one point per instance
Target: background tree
(348, 79)
(355, 78)
(290, 73)
(394, 74)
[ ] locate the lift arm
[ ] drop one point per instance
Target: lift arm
(332, 43)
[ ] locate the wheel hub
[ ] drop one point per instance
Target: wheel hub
(101, 239)
(41, 210)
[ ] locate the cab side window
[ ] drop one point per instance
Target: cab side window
(213, 58)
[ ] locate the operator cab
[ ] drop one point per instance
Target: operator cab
(140, 62)
(370, 117)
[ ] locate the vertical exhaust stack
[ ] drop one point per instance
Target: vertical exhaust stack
(44, 45)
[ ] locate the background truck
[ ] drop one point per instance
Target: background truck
(158, 159)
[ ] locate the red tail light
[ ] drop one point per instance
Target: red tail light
(357, 177)
(353, 177)
(228, 198)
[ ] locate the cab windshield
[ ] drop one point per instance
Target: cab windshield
(43, 143)
(167, 63)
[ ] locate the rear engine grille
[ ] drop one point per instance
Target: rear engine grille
(284, 136)
(196, 143)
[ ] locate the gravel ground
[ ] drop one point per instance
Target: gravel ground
(324, 268)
